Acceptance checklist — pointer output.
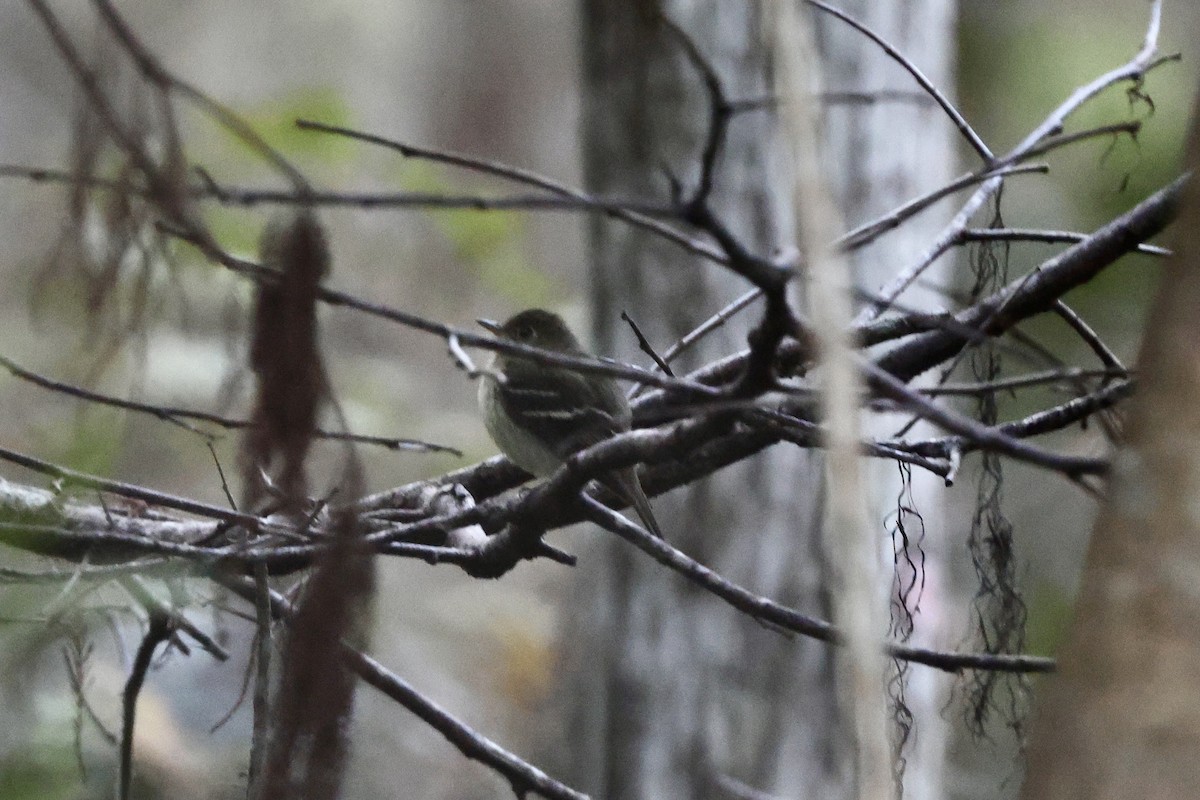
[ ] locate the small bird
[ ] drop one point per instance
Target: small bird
(539, 415)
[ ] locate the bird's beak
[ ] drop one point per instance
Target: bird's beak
(492, 326)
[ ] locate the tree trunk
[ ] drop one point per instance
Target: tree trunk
(882, 150)
(674, 694)
(1122, 718)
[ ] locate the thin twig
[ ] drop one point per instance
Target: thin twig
(158, 632)
(523, 776)
(778, 319)
(1038, 290)
(1133, 70)
(154, 72)
(870, 231)
(720, 112)
(465, 338)
(1041, 422)
(1038, 235)
(137, 589)
(177, 415)
(1092, 339)
(75, 675)
(73, 477)
(978, 434)
(1066, 375)
(91, 573)
(711, 324)
(617, 211)
(646, 347)
(253, 196)
(787, 618)
(968, 133)
(261, 705)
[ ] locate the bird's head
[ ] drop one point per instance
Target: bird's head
(538, 328)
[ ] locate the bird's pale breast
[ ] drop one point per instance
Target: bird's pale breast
(523, 448)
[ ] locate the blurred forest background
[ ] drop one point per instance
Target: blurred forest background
(500, 80)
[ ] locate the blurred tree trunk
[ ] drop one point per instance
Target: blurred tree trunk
(1122, 717)
(674, 694)
(884, 149)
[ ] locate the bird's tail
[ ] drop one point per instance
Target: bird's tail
(626, 484)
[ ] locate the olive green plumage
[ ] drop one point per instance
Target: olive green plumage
(540, 415)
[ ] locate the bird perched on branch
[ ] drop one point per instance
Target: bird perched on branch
(540, 415)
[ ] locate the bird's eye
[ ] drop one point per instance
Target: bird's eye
(525, 332)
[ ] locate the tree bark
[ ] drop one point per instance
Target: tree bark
(882, 150)
(672, 695)
(1122, 717)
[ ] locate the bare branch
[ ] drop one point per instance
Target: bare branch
(157, 75)
(1045, 421)
(646, 347)
(616, 211)
(868, 232)
(523, 776)
(789, 619)
(1103, 352)
(959, 121)
(978, 434)
(137, 588)
(1133, 70)
(253, 196)
(1065, 375)
(159, 632)
(72, 477)
(1032, 235)
(1037, 291)
(176, 416)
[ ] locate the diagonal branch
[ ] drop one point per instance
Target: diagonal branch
(789, 619)
(178, 416)
(960, 122)
(523, 776)
(1133, 70)
(527, 177)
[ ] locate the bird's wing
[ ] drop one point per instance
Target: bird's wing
(562, 409)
